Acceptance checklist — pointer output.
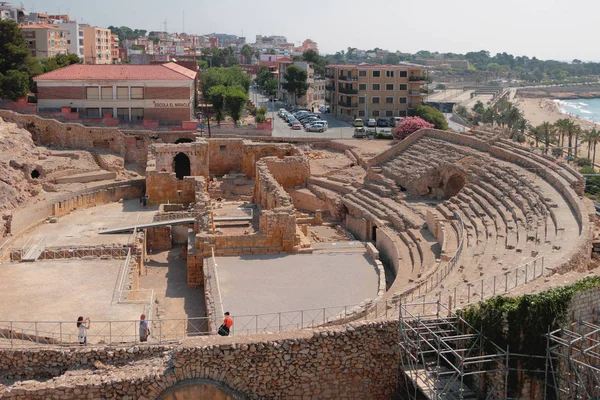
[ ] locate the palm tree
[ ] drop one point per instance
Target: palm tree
(537, 132)
(595, 138)
(571, 130)
(586, 137)
(549, 134)
(577, 133)
(512, 116)
(562, 126)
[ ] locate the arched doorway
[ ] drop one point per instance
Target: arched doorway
(35, 174)
(181, 165)
(184, 140)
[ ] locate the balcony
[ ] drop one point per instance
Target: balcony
(347, 104)
(347, 78)
(421, 78)
(329, 88)
(347, 90)
(415, 93)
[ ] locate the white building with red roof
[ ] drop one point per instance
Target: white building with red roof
(131, 93)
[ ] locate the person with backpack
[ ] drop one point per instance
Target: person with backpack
(225, 328)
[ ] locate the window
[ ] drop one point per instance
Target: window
(389, 74)
(376, 74)
(361, 113)
(403, 86)
(81, 42)
(362, 86)
(68, 42)
(137, 114)
(137, 92)
(403, 74)
(402, 113)
(92, 112)
(376, 86)
(402, 100)
(122, 93)
(389, 100)
(389, 113)
(362, 73)
(222, 148)
(107, 111)
(92, 93)
(123, 114)
(389, 86)
(375, 100)
(375, 113)
(107, 93)
(361, 100)
(30, 42)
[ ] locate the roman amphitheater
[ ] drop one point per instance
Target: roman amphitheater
(314, 247)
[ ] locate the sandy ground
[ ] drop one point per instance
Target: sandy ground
(81, 227)
(269, 284)
(62, 290)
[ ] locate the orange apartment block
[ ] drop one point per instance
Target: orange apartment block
(373, 90)
(44, 41)
(97, 49)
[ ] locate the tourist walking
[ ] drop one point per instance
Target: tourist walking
(83, 326)
(225, 328)
(144, 330)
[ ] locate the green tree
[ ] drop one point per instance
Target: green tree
(13, 50)
(479, 107)
(59, 61)
(247, 52)
(271, 86)
(295, 81)
(262, 75)
(311, 56)
(433, 116)
(549, 134)
(216, 96)
(232, 76)
(15, 84)
(235, 99)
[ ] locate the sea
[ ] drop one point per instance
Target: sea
(588, 109)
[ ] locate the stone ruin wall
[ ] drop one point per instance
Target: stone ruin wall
(268, 193)
(289, 172)
(358, 361)
(253, 152)
(225, 156)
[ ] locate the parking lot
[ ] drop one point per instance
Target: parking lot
(337, 129)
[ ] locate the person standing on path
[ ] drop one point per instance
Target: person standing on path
(83, 326)
(225, 328)
(144, 330)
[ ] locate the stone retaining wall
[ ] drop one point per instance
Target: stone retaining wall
(354, 362)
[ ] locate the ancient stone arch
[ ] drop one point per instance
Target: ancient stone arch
(181, 165)
(204, 389)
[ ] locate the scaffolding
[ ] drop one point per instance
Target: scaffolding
(574, 361)
(441, 354)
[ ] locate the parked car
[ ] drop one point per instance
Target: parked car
(318, 121)
(318, 127)
(371, 123)
(309, 120)
(383, 123)
(362, 132)
(292, 121)
(358, 123)
(384, 134)
(394, 120)
(296, 125)
(282, 111)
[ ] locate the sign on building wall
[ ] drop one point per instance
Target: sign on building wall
(175, 104)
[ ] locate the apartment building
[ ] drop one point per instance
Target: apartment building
(9, 11)
(44, 41)
(114, 48)
(97, 45)
(374, 91)
(74, 37)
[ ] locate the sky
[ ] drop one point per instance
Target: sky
(547, 29)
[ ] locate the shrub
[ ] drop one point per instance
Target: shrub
(583, 162)
(556, 152)
(408, 126)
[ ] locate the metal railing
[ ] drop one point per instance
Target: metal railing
(486, 288)
(167, 216)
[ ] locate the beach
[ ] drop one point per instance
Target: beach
(537, 111)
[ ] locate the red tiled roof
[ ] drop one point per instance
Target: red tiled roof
(40, 26)
(156, 72)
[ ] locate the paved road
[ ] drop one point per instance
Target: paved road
(337, 129)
